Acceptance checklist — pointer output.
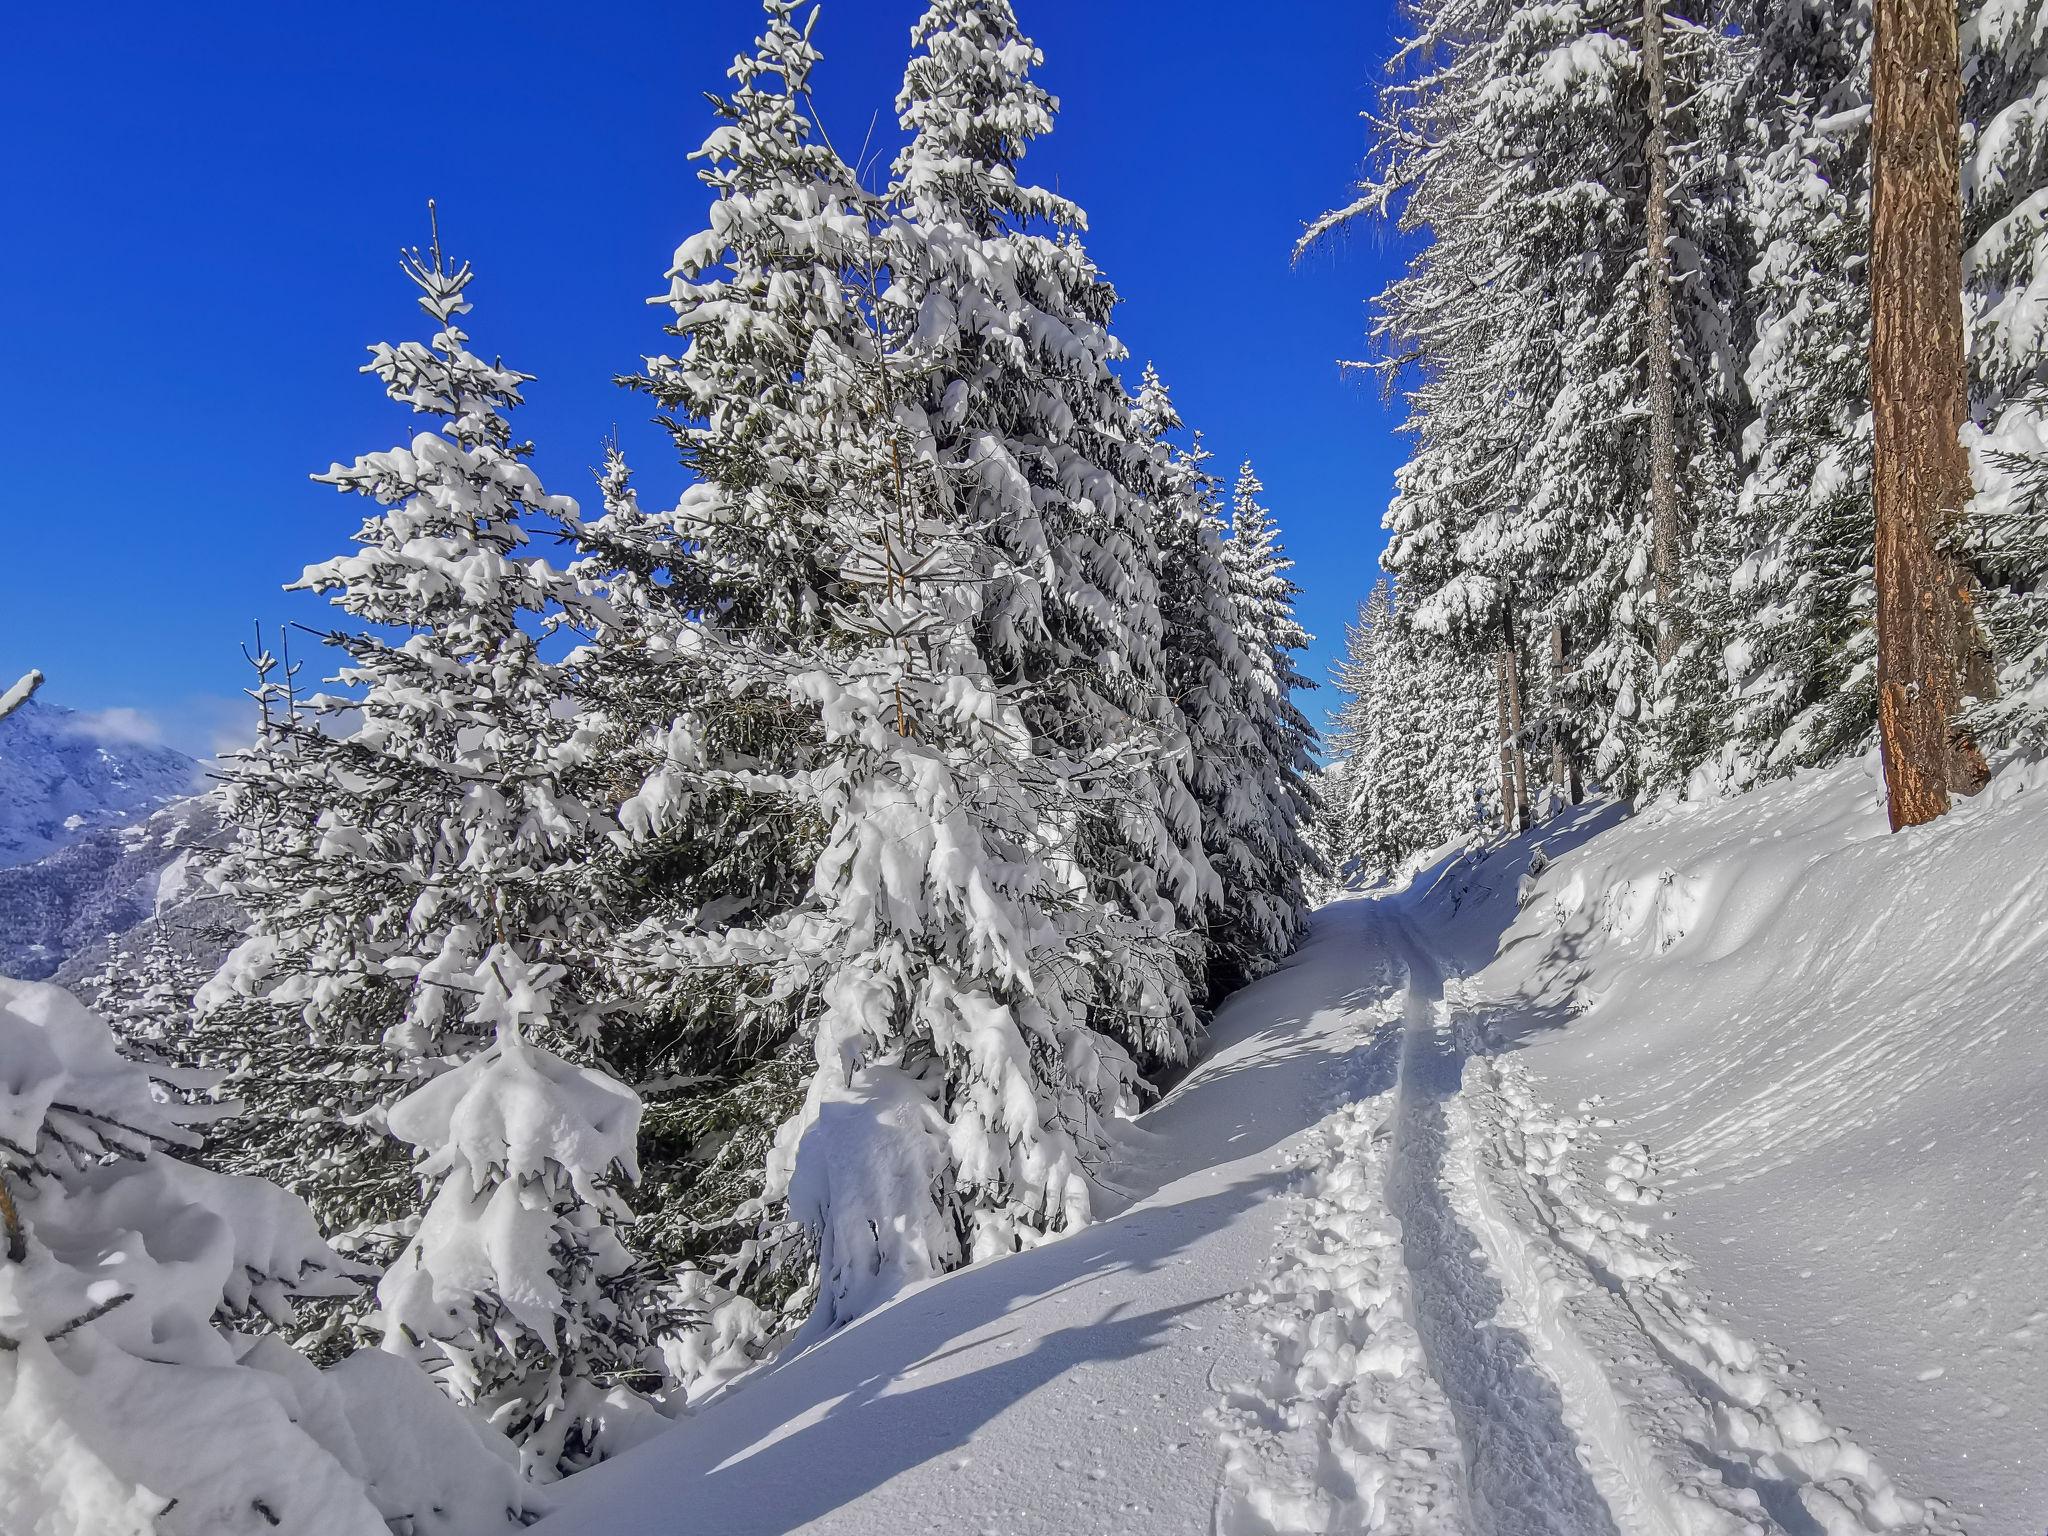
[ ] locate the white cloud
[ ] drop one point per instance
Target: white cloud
(130, 727)
(199, 725)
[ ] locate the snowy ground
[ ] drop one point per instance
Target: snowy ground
(1687, 1186)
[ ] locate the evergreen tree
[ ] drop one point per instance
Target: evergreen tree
(1413, 737)
(1209, 675)
(717, 852)
(1516, 140)
(903, 613)
(516, 1292)
(1801, 652)
(1006, 323)
(2005, 303)
(710, 1046)
(1265, 914)
(402, 865)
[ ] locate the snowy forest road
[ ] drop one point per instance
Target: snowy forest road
(1466, 1334)
(1367, 1281)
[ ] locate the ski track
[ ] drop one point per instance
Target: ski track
(1466, 1337)
(1345, 1431)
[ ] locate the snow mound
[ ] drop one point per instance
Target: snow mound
(1819, 1042)
(128, 1401)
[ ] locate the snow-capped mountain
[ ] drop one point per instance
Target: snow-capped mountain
(64, 774)
(94, 833)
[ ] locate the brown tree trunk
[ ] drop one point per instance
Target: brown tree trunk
(1501, 729)
(1927, 634)
(1518, 753)
(1562, 773)
(1664, 542)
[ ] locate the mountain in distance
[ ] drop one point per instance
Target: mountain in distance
(64, 774)
(96, 833)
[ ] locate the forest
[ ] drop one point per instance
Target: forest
(642, 941)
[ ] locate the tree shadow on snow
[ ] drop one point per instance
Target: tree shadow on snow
(740, 1469)
(817, 1430)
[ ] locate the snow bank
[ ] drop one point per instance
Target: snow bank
(1821, 1047)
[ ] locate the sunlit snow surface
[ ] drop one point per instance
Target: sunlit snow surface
(1687, 1185)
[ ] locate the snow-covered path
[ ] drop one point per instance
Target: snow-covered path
(1364, 1285)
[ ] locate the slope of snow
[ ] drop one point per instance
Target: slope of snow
(1659, 1175)
(62, 774)
(58, 912)
(1824, 1050)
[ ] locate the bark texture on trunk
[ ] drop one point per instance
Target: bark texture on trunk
(1518, 753)
(1928, 639)
(1664, 536)
(1501, 735)
(1562, 773)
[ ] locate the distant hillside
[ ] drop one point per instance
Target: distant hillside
(63, 775)
(95, 835)
(58, 913)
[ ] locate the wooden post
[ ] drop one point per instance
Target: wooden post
(1928, 641)
(1664, 540)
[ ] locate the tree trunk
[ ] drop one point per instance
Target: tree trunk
(1664, 542)
(1562, 773)
(1501, 729)
(1518, 753)
(1927, 634)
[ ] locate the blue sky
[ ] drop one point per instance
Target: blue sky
(208, 202)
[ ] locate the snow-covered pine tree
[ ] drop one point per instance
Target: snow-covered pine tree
(709, 608)
(1011, 329)
(400, 866)
(864, 604)
(1332, 831)
(961, 1102)
(702, 598)
(516, 1293)
(1800, 650)
(1264, 920)
(1414, 735)
(1209, 674)
(2005, 301)
(1515, 138)
(1366, 797)
(134, 1400)
(711, 1047)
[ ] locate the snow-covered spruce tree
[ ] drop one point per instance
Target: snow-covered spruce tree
(961, 1102)
(133, 1400)
(1414, 736)
(709, 609)
(1009, 331)
(2005, 301)
(926, 576)
(1210, 674)
(1360, 800)
(517, 1293)
(424, 856)
(1800, 650)
(1264, 921)
(1332, 831)
(1515, 139)
(709, 1046)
